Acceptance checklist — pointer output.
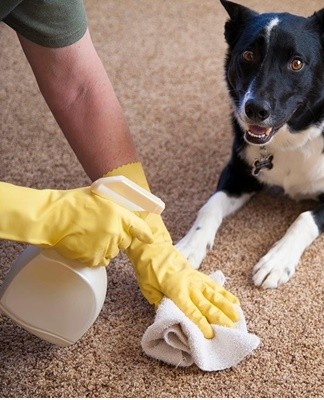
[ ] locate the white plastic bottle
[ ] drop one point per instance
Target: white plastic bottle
(55, 299)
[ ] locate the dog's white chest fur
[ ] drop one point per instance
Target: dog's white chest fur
(298, 162)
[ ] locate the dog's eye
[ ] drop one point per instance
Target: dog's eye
(296, 64)
(248, 56)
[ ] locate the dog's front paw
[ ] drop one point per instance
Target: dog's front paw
(275, 268)
(278, 266)
(195, 245)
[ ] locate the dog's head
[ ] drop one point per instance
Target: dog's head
(274, 70)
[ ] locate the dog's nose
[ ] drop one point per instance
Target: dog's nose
(257, 111)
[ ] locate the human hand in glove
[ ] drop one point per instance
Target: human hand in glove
(79, 224)
(161, 270)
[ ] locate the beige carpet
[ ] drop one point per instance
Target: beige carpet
(165, 59)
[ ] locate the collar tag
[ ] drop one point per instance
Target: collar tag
(264, 162)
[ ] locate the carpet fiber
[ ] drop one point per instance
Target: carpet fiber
(165, 59)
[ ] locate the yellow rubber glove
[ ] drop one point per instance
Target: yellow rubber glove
(161, 270)
(79, 224)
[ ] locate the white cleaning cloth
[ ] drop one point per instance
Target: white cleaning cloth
(174, 339)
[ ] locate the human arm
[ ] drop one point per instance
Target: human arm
(79, 93)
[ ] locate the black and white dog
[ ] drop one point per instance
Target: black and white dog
(275, 77)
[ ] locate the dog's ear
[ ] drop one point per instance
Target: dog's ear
(317, 19)
(239, 16)
(317, 22)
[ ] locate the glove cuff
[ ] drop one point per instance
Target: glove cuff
(133, 171)
(24, 212)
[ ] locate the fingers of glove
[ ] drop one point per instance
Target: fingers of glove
(102, 263)
(224, 302)
(196, 316)
(97, 262)
(140, 230)
(91, 258)
(112, 252)
(213, 288)
(204, 326)
(201, 321)
(131, 224)
(230, 296)
(115, 244)
(218, 311)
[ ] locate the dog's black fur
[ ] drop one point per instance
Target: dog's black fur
(275, 77)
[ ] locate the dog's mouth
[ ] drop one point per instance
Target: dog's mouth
(259, 135)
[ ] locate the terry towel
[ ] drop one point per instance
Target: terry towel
(174, 339)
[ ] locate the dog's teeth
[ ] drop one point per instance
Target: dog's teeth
(266, 133)
(257, 136)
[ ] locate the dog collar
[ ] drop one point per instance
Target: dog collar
(263, 162)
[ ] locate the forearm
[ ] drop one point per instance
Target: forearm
(96, 129)
(77, 89)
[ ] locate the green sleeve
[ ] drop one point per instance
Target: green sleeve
(49, 23)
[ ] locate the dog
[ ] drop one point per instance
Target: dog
(274, 71)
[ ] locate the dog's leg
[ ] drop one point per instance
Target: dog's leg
(200, 238)
(279, 264)
(235, 188)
